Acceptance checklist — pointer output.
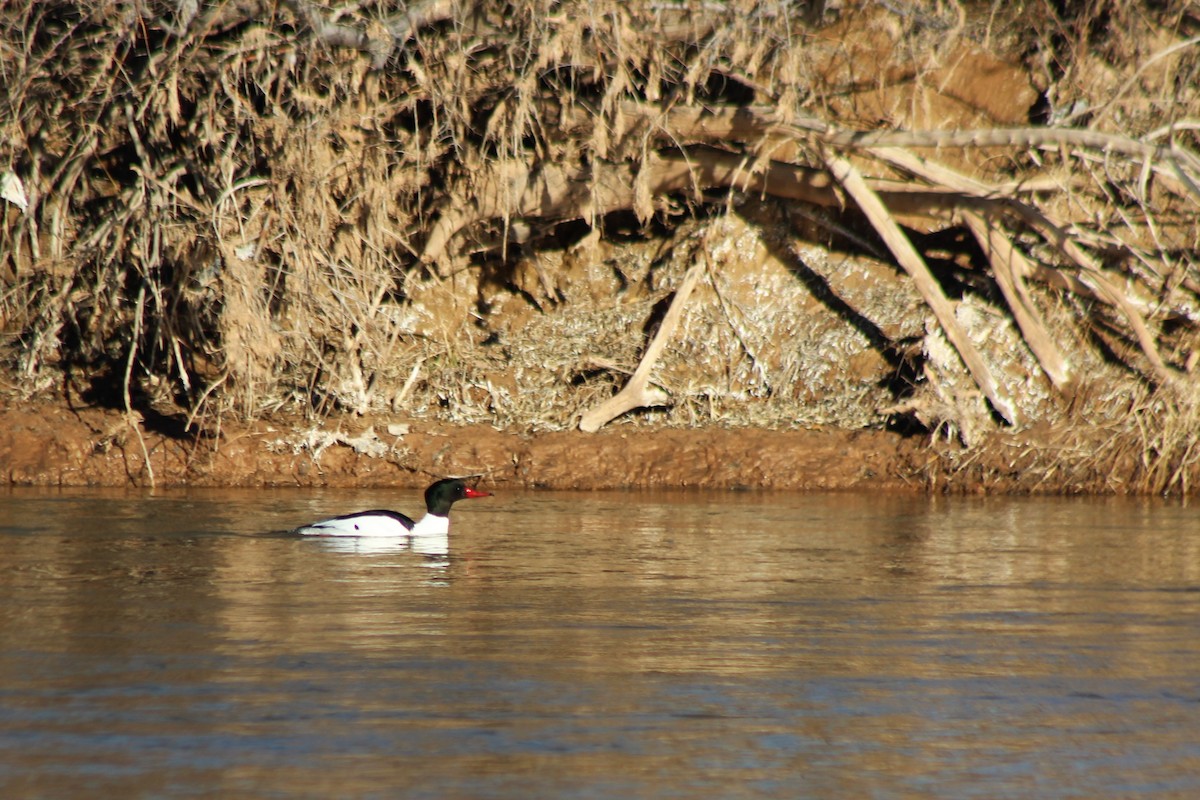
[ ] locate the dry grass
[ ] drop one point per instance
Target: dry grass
(474, 211)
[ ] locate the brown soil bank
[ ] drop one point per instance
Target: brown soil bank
(660, 244)
(52, 445)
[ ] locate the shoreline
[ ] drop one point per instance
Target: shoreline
(54, 445)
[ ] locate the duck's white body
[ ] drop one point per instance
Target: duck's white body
(378, 523)
(392, 524)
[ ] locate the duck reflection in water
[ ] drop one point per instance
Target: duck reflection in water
(436, 548)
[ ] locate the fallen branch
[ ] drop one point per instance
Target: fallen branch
(517, 189)
(1093, 281)
(875, 211)
(1098, 283)
(999, 137)
(1010, 269)
(1170, 162)
(689, 125)
(638, 393)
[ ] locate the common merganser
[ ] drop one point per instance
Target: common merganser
(381, 522)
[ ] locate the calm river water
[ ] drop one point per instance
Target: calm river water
(600, 645)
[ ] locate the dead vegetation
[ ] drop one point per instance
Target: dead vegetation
(947, 217)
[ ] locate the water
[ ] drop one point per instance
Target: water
(600, 645)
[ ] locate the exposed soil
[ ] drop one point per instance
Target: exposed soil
(54, 445)
(51, 445)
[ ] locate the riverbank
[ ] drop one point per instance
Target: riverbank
(48, 444)
(745, 265)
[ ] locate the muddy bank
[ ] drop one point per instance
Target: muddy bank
(52, 445)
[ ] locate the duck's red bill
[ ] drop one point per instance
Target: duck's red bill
(476, 493)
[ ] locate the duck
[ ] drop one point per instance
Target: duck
(382, 522)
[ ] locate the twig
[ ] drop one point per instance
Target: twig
(1131, 80)
(402, 395)
(132, 418)
(756, 366)
(212, 387)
